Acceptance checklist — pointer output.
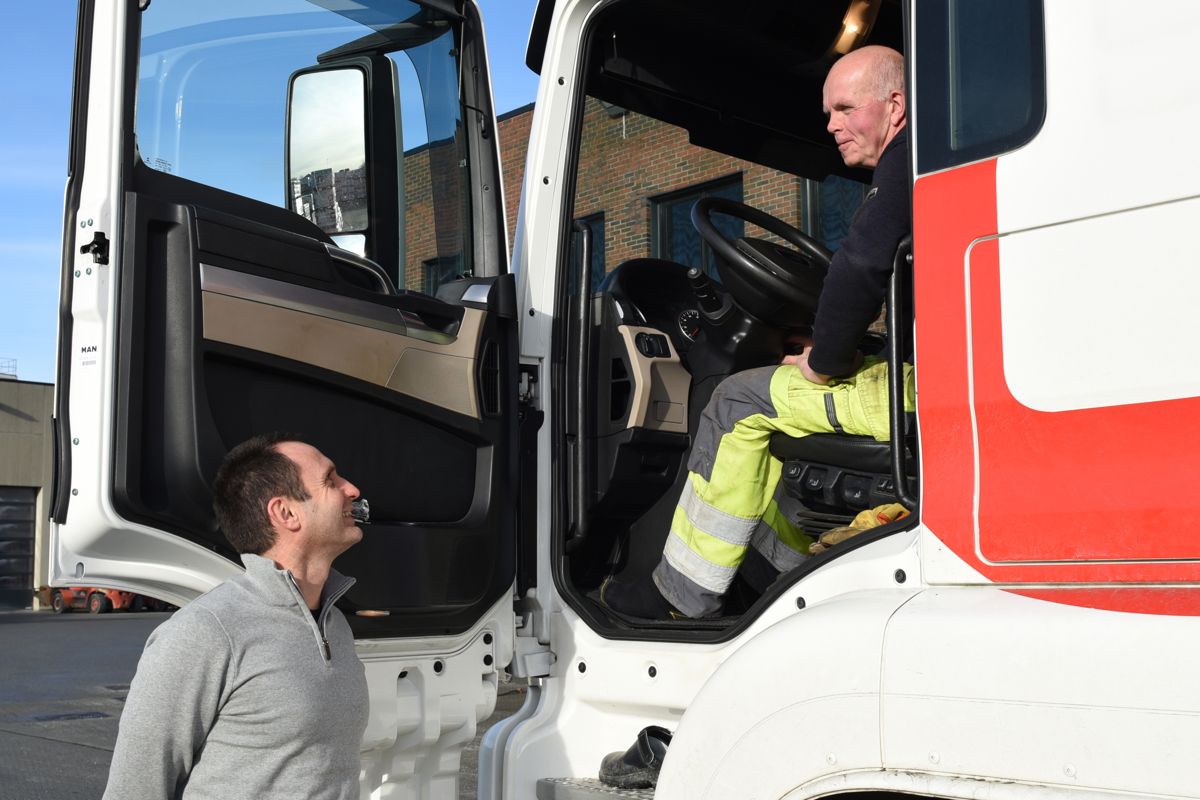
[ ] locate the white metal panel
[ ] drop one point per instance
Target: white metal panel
(1092, 309)
(534, 260)
(942, 566)
(1096, 214)
(799, 701)
(793, 667)
(95, 545)
(933, 784)
(1122, 110)
(979, 682)
(427, 698)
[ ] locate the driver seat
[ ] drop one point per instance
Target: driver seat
(840, 474)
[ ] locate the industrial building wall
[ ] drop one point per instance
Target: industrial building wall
(26, 473)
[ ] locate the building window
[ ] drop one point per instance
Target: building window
(595, 226)
(829, 208)
(437, 271)
(674, 238)
(980, 79)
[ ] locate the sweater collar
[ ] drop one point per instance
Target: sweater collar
(278, 588)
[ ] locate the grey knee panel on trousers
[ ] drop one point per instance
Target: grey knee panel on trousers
(739, 396)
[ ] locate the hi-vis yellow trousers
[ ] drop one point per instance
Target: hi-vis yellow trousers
(728, 503)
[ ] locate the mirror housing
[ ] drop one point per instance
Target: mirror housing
(340, 148)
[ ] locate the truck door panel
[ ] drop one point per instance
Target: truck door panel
(236, 325)
(233, 314)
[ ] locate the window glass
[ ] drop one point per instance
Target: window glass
(676, 239)
(636, 179)
(980, 79)
(830, 206)
(212, 108)
(436, 271)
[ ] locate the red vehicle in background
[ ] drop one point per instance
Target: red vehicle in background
(101, 601)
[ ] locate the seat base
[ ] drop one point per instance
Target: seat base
(835, 472)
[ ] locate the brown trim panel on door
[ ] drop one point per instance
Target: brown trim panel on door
(375, 344)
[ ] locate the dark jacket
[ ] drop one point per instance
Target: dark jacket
(857, 282)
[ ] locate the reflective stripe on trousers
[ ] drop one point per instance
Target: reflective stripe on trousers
(728, 502)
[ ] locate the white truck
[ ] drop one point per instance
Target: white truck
(288, 214)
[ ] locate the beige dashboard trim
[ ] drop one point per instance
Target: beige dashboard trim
(660, 385)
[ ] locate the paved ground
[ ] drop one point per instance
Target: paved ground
(63, 681)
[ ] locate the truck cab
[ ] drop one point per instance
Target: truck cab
(291, 216)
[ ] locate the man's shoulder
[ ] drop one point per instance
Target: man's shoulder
(211, 613)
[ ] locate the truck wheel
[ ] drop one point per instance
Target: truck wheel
(57, 602)
(98, 603)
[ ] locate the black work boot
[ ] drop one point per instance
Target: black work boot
(635, 598)
(637, 767)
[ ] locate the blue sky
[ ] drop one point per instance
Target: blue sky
(37, 52)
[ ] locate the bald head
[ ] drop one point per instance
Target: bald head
(864, 98)
(879, 69)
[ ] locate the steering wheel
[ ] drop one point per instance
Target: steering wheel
(776, 284)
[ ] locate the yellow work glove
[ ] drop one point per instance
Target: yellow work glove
(871, 518)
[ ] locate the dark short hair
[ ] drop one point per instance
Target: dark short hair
(251, 474)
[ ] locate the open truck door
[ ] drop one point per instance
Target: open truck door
(289, 217)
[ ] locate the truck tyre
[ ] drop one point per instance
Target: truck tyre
(58, 603)
(98, 603)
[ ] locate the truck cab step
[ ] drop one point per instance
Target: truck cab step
(585, 789)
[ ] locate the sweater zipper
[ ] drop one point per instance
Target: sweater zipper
(325, 651)
(319, 622)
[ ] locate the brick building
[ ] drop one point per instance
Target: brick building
(637, 181)
(638, 178)
(435, 215)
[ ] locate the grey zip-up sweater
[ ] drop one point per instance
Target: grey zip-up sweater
(244, 694)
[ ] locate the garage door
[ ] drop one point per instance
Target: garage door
(17, 504)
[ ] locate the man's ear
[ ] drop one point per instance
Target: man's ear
(899, 108)
(282, 513)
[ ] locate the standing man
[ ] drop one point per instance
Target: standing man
(727, 506)
(254, 690)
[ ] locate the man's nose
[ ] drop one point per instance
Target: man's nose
(350, 490)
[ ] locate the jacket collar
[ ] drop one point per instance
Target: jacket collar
(277, 587)
(899, 140)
